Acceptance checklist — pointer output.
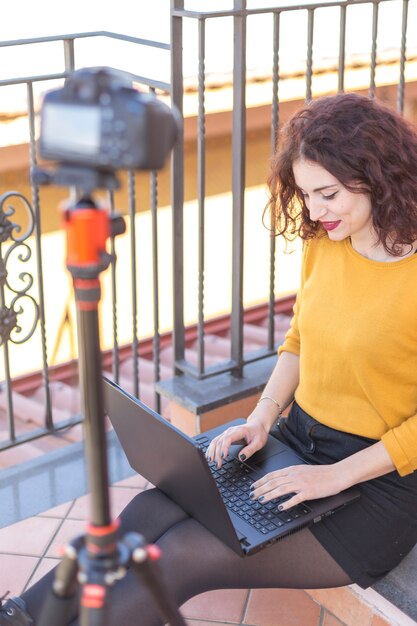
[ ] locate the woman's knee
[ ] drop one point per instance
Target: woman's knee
(150, 513)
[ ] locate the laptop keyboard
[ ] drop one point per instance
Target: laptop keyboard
(234, 480)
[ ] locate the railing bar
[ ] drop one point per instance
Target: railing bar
(24, 80)
(223, 368)
(274, 139)
(143, 80)
(8, 385)
(39, 266)
(309, 70)
(238, 185)
(135, 343)
(403, 52)
(97, 33)
(342, 50)
(177, 187)
(41, 432)
(296, 7)
(115, 350)
(69, 55)
(275, 82)
(374, 47)
(188, 368)
(149, 82)
(201, 180)
(155, 267)
(155, 258)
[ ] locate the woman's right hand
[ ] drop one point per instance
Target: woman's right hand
(253, 433)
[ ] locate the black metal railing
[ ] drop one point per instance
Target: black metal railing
(276, 76)
(13, 298)
(241, 15)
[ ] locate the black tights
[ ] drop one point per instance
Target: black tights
(193, 561)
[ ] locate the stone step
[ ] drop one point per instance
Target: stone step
(29, 409)
(146, 370)
(191, 355)
(259, 334)
(282, 322)
(63, 396)
(146, 391)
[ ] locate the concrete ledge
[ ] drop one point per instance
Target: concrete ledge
(201, 396)
(400, 586)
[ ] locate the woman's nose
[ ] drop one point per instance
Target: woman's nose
(317, 209)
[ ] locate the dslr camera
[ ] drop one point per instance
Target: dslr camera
(99, 122)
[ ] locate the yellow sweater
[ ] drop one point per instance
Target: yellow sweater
(355, 329)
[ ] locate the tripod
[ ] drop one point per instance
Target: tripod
(99, 559)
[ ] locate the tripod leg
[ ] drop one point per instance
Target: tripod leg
(145, 567)
(58, 608)
(92, 612)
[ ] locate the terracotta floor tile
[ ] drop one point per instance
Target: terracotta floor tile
(30, 537)
(197, 622)
(15, 572)
(224, 605)
(344, 605)
(58, 511)
(331, 620)
(70, 529)
(119, 498)
(281, 607)
(43, 568)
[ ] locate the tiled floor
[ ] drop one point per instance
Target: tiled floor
(30, 548)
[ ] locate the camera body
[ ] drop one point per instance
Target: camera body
(99, 121)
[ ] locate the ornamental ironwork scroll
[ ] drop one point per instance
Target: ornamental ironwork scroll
(15, 298)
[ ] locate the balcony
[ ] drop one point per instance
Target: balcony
(174, 334)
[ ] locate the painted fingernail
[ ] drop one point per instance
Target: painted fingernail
(222, 455)
(242, 457)
(281, 507)
(261, 498)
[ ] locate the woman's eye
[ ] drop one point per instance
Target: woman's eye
(332, 195)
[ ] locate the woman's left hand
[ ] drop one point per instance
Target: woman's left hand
(306, 482)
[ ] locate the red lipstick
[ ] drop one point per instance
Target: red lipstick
(331, 225)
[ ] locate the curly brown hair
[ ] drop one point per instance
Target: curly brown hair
(368, 147)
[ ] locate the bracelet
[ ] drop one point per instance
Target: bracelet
(272, 400)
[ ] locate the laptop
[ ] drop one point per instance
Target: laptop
(217, 498)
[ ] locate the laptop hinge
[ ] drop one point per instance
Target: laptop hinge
(244, 542)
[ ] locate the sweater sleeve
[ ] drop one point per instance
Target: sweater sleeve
(292, 338)
(401, 445)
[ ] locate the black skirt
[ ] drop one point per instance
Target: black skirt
(371, 536)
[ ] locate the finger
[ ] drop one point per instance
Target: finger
(247, 451)
(280, 476)
(229, 437)
(288, 504)
(272, 489)
(212, 453)
(210, 450)
(218, 452)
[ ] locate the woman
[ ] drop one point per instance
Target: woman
(345, 180)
